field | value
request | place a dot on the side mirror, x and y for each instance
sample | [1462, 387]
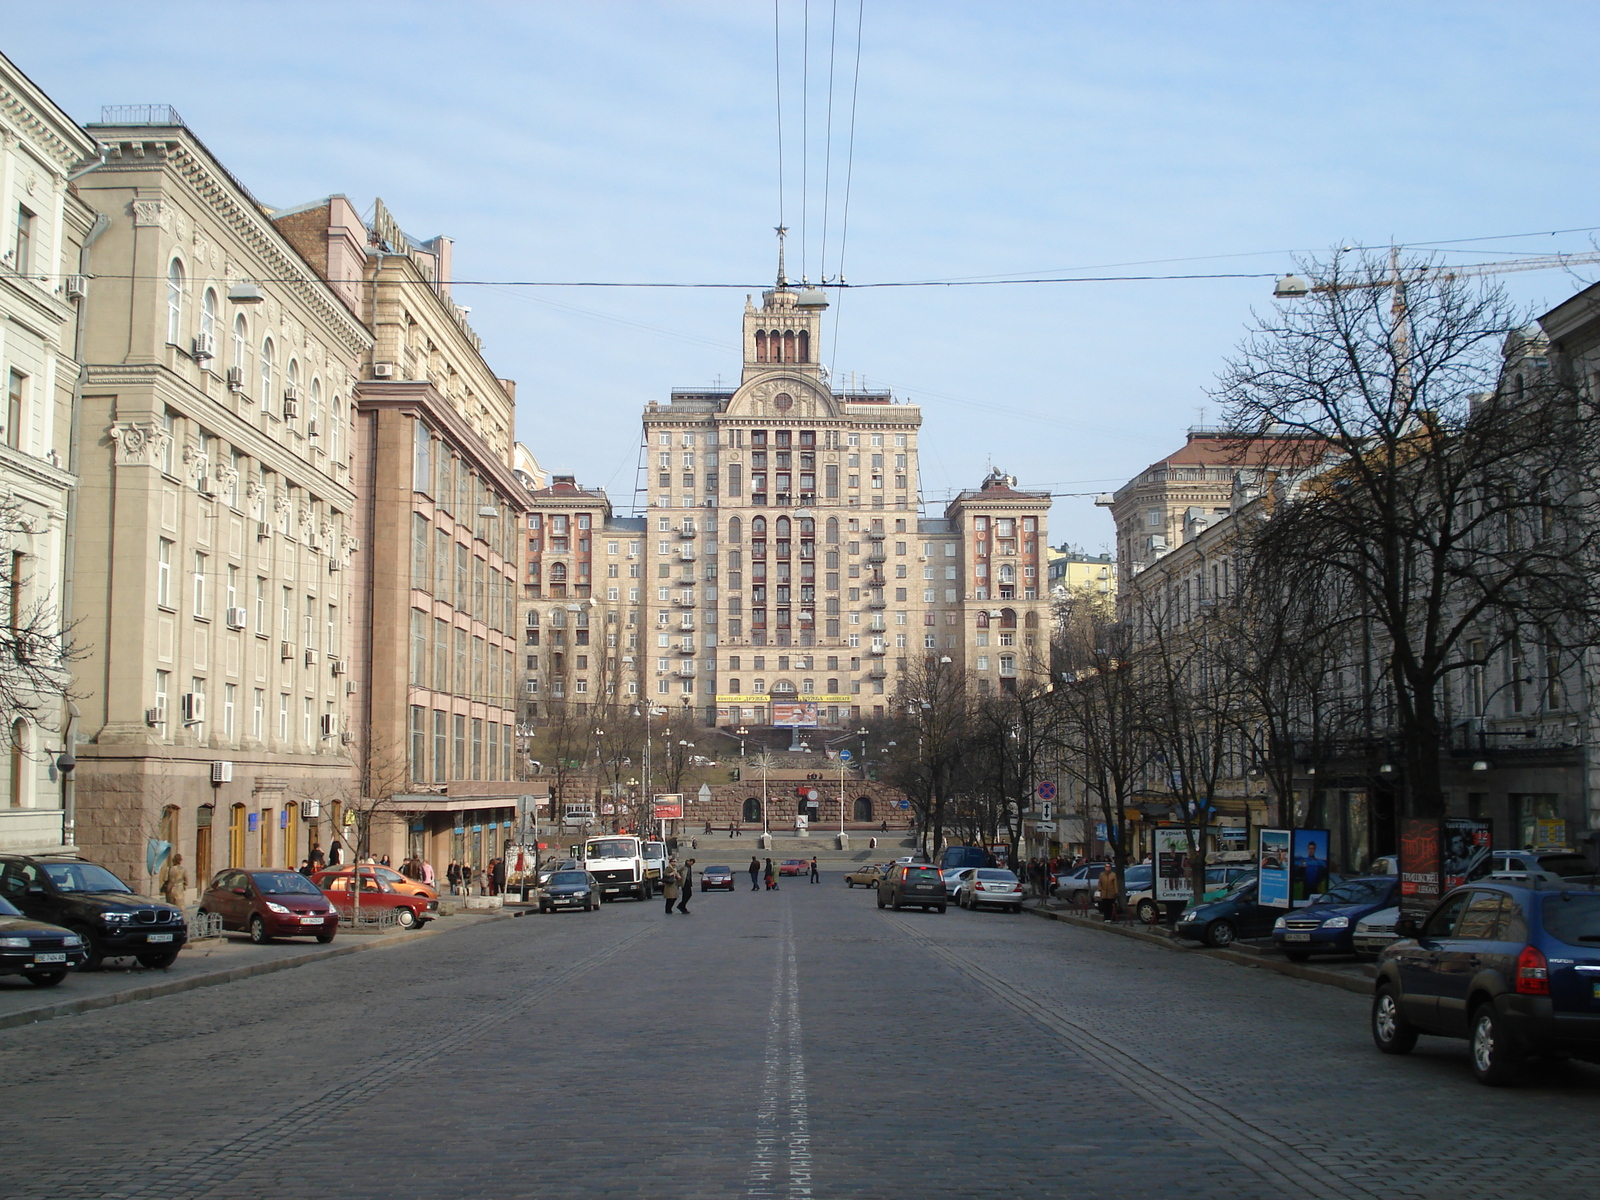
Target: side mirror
[1407, 927]
[240, 892]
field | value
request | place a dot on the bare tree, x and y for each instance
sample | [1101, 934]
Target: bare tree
[36, 650]
[380, 773]
[935, 707]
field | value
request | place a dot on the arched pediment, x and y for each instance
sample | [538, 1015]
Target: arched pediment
[781, 396]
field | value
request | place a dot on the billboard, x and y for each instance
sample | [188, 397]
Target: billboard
[1173, 859]
[669, 806]
[1465, 853]
[1419, 865]
[801, 713]
[1308, 867]
[1272, 865]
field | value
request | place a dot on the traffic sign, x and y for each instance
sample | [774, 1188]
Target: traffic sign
[844, 756]
[1046, 790]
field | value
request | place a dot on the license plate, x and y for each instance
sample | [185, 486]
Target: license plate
[49, 958]
[159, 937]
[1297, 937]
[311, 920]
[1597, 991]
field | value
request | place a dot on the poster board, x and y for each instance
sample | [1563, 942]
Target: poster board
[1464, 854]
[1419, 866]
[1309, 866]
[669, 806]
[1272, 867]
[800, 714]
[1173, 859]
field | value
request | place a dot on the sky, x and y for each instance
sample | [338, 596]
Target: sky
[636, 142]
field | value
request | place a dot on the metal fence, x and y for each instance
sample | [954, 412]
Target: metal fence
[369, 920]
[203, 925]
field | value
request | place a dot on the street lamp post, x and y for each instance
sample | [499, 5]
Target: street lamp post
[742, 733]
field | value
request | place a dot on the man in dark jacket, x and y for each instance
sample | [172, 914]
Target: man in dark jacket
[755, 873]
[685, 886]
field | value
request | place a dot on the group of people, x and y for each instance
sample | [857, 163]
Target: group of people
[464, 876]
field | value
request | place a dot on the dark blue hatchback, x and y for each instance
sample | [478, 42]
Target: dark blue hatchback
[1327, 926]
[1513, 969]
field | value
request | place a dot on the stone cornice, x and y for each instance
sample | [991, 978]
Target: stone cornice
[425, 400]
[46, 127]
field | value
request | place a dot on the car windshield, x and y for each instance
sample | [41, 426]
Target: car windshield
[1565, 865]
[718, 870]
[577, 877]
[1359, 891]
[991, 873]
[1247, 884]
[655, 849]
[1573, 918]
[7, 909]
[610, 848]
[83, 877]
[1138, 876]
[284, 883]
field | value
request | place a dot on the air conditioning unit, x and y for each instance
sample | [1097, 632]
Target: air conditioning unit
[334, 565]
[291, 404]
[235, 379]
[285, 651]
[156, 715]
[236, 618]
[347, 738]
[311, 658]
[349, 687]
[194, 708]
[77, 287]
[222, 772]
[311, 428]
[336, 666]
[205, 347]
[206, 486]
[330, 725]
[263, 530]
[383, 370]
[311, 809]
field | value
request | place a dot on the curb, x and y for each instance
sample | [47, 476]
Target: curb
[1292, 970]
[72, 1008]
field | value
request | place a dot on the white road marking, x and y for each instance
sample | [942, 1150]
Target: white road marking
[781, 1164]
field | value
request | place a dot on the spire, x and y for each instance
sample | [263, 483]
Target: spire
[783, 281]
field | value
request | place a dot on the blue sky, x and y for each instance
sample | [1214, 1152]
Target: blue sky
[604, 140]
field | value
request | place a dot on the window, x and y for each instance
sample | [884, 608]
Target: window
[16, 390]
[258, 712]
[230, 699]
[208, 318]
[164, 573]
[174, 301]
[261, 605]
[268, 366]
[22, 247]
[241, 345]
[283, 716]
[163, 684]
[199, 573]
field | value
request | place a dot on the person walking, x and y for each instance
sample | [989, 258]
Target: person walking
[772, 877]
[335, 853]
[306, 868]
[816, 876]
[755, 872]
[1109, 893]
[316, 858]
[686, 887]
[175, 881]
[669, 885]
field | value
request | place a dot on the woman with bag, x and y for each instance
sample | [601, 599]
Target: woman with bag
[669, 885]
[1110, 894]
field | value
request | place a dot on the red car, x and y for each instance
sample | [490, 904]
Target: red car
[270, 904]
[376, 893]
[794, 866]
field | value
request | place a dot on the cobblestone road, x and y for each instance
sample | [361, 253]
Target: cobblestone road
[797, 1044]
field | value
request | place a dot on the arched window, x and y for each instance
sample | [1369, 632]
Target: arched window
[241, 345]
[1008, 574]
[735, 530]
[983, 620]
[291, 377]
[558, 616]
[1008, 618]
[752, 810]
[208, 318]
[761, 346]
[15, 777]
[758, 527]
[1031, 620]
[833, 687]
[314, 409]
[783, 527]
[533, 619]
[174, 301]
[788, 345]
[268, 369]
[863, 809]
[558, 574]
[808, 527]
[803, 351]
[832, 531]
[808, 687]
[335, 427]
[782, 687]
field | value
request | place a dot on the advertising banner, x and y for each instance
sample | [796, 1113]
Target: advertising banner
[1172, 861]
[794, 713]
[1272, 864]
[1549, 834]
[1308, 874]
[1466, 851]
[1419, 865]
[669, 806]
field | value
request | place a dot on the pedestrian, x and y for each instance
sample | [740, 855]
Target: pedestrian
[694, 843]
[872, 843]
[1109, 893]
[452, 875]
[315, 858]
[669, 885]
[771, 877]
[497, 881]
[427, 871]
[175, 881]
[385, 861]
[885, 828]
[335, 853]
[816, 876]
[730, 831]
[305, 867]
[755, 871]
[686, 886]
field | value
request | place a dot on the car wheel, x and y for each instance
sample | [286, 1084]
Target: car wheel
[407, 917]
[46, 978]
[1016, 909]
[880, 899]
[1148, 912]
[1496, 1060]
[1391, 1032]
[1220, 934]
[544, 908]
[895, 904]
[1297, 956]
[940, 910]
[849, 884]
[158, 962]
[325, 937]
[258, 931]
[93, 955]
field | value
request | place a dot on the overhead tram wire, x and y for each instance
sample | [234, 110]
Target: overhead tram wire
[849, 175]
[805, 129]
[827, 152]
[777, 78]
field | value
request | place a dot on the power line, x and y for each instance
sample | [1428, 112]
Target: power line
[805, 128]
[777, 79]
[827, 147]
[849, 175]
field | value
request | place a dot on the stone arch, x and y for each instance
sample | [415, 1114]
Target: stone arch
[862, 810]
[752, 810]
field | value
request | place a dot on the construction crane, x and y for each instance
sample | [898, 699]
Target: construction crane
[1292, 287]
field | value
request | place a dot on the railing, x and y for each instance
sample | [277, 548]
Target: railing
[368, 920]
[139, 114]
[203, 925]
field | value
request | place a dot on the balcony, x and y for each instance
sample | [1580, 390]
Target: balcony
[876, 651]
[682, 649]
[876, 600]
[685, 600]
[686, 554]
[685, 670]
[877, 554]
[877, 671]
[686, 534]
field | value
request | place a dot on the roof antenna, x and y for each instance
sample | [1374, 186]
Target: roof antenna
[783, 281]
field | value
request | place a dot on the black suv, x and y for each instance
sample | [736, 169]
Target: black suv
[913, 885]
[1513, 968]
[92, 902]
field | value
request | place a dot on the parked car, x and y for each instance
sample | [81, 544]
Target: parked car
[793, 866]
[106, 914]
[1519, 865]
[716, 878]
[1375, 932]
[270, 904]
[992, 886]
[550, 866]
[916, 885]
[1328, 926]
[1223, 922]
[1142, 900]
[1513, 968]
[402, 883]
[570, 889]
[410, 911]
[865, 876]
[1080, 880]
[38, 951]
[953, 877]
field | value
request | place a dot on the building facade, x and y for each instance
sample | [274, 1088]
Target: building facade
[216, 522]
[45, 227]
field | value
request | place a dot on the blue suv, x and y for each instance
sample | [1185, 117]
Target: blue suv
[1514, 969]
[1327, 926]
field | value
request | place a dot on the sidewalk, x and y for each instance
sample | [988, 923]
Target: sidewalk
[201, 964]
[1344, 973]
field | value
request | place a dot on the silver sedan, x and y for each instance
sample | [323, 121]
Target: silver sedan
[991, 886]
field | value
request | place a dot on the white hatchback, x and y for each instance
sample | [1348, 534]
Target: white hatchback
[992, 886]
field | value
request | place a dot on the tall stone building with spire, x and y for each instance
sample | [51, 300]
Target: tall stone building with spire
[785, 574]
